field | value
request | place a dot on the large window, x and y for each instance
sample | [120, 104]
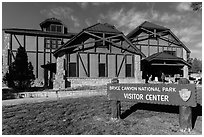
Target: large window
[128, 70]
[54, 28]
[102, 69]
[52, 43]
[72, 69]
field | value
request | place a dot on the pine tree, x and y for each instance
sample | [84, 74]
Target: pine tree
[20, 73]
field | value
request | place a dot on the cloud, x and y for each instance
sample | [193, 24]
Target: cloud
[99, 3]
[88, 22]
[127, 19]
[83, 5]
[184, 6]
[75, 20]
[58, 12]
[198, 45]
[61, 13]
[195, 51]
[188, 34]
[166, 17]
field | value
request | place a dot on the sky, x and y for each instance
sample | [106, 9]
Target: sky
[185, 23]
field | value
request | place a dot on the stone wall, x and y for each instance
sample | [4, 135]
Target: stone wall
[137, 68]
[76, 82]
[59, 81]
[5, 53]
[185, 68]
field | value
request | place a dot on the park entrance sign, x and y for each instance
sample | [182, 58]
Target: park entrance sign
[167, 94]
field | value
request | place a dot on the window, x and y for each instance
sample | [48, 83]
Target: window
[128, 70]
[59, 28]
[52, 43]
[72, 69]
[171, 52]
[53, 28]
[102, 67]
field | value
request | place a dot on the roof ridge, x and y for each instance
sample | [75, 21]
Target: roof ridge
[91, 26]
[153, 24]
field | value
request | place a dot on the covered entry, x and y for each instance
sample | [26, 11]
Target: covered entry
[163, 62]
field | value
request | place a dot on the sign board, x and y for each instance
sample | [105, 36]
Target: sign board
[167, 94]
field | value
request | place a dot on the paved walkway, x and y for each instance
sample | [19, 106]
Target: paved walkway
[61, 95]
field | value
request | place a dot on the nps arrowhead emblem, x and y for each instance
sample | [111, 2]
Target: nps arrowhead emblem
[185, 94]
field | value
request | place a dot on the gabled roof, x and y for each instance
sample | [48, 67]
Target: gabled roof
[165, 56]
[95, 32]
[103, 28]
[148, 27]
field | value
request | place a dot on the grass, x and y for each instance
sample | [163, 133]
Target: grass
[89, 116]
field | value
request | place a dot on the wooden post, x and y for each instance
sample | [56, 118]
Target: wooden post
[115, 104]
[185, 113]
[36, 56]
[116, 65]
[149, 46]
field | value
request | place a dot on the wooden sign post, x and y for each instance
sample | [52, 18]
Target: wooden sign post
[185, 113]
[115, 104]
[182, 95]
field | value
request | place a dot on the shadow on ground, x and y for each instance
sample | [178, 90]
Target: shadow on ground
[196, 111]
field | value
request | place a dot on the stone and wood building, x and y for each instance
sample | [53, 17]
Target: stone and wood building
[39, 44]
[98, 53]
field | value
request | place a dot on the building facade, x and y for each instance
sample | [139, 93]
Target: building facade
[39, 45]
[98, 53]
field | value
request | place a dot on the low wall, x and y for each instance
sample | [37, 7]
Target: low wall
[77, 82]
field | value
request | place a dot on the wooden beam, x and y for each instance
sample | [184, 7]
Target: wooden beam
[106, 65]
[37, 57]
[181, 53]
[111, 37]
[66, 65]
[161, 37]
[9, 50]
[141, 39]
[103, 39]
[83, 65]
[24, 41]
[77, 63]
[158, 64]
[125, 65]
[50, 50]
[152, 45]
[17, 40]
[44, 51]
[133, 64]
[75, 46]
[68, 61]
[158, 45]
[88, 64]
[116, 65]
[148, 47]
[99, 60]
[29, 51]
[121, 65]
[136, 49]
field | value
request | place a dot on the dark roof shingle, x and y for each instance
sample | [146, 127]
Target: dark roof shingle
[99, 27]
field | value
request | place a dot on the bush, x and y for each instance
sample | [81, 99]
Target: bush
[20, 73]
